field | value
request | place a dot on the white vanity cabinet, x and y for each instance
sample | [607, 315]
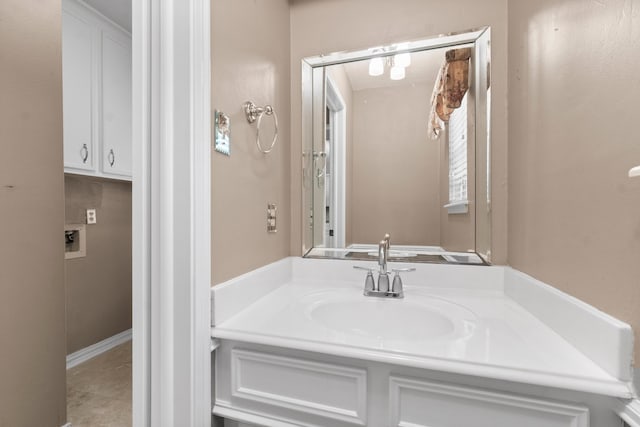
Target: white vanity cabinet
[270, 386]
[298, 344]
[96, 75]
[419, 402]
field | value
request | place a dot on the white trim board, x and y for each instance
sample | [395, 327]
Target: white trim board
[337, 106]
[171, 215]
[84, 354]
[142, 68]
[629, 411]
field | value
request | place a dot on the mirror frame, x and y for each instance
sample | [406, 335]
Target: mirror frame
[314, 83]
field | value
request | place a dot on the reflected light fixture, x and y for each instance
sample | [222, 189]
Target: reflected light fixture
[396, 72]
[397, 63]
[376, 66]
[402, 59]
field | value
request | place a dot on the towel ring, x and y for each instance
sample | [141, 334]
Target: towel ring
[254, 113]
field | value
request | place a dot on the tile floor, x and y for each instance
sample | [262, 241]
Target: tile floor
[99, 390]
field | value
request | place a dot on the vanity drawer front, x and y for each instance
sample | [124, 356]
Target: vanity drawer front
[328, 390]
[416, 403]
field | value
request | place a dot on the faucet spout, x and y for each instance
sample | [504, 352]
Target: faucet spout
[383, 253]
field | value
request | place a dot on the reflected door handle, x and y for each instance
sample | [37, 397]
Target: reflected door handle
[84, 153]
[321, 155]
[320, 170]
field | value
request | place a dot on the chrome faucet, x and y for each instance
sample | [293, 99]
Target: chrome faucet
[383, 256]
[382, 288]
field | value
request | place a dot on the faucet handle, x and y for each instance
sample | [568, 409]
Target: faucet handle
[369, 282]
[396, 286]
[403, 270]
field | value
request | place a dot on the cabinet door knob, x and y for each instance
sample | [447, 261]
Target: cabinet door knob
[84, 153]
[111, 157]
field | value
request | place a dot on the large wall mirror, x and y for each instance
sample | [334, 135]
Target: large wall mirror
[396, 139]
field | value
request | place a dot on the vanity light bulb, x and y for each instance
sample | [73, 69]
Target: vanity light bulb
[376, 66]
[402, 59]
[396, 73]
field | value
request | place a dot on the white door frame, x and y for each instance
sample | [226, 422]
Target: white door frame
[337, 106]
[171, 213]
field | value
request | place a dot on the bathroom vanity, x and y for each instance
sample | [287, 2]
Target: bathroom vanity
[299, 344]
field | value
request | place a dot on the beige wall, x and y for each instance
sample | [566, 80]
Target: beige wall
[574, 216]
[323, 26]
[98, 286]
[395, 167]
[250, 60]
[32, 344]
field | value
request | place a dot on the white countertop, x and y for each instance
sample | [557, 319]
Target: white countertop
[495, 337]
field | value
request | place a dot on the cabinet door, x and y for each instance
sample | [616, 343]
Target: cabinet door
[418, 403]
[78, 81]
[116, 104]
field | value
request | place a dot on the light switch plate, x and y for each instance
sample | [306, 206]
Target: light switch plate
[272, 211]
[91, 216]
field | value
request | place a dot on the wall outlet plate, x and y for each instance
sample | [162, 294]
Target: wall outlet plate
[91, 216]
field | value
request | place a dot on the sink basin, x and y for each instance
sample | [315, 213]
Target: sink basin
[422, 319]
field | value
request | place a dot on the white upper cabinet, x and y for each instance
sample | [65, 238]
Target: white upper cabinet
[116, 104]
[78, 88]
[96, 61]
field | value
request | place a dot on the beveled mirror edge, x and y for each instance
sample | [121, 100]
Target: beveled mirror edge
[429, 42]
[483, 234]
[309, 64]
[306, 124]
[403, 255]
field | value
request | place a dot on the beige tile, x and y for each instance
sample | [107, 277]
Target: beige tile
[99, 390]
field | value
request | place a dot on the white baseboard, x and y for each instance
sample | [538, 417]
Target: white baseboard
[92, 351]
[67, 425]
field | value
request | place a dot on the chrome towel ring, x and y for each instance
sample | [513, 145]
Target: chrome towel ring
[254, 113]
